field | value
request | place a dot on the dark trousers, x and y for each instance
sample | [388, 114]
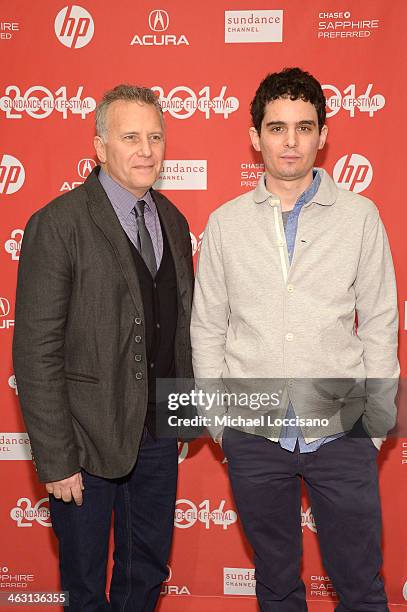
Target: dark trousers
[143, 503]
[341, 479]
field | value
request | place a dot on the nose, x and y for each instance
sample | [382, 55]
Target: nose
[144, 147]
[291, 138]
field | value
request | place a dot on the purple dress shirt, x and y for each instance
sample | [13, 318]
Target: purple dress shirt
[123, 203]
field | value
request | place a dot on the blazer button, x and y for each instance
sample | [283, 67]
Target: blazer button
[139, 375]
[137, 321]
[137, 339]
[138, 357]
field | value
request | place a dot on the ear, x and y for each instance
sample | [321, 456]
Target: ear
[322, 137]
[255, 138]
[100, 149]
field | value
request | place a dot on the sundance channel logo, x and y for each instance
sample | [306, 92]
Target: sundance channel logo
[253, 26]
[15, 447]
[180, 174]
[239, 581]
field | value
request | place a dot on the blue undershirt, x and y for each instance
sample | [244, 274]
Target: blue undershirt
[291, 434]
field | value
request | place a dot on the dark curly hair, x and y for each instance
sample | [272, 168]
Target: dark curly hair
[292, 83]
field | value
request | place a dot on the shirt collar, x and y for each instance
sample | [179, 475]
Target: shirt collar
[122, 200]
[309, 193]
[261, 194]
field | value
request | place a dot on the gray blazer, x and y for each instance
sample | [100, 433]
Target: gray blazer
[78, 310]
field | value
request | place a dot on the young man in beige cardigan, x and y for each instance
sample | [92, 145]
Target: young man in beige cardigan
[295, 293]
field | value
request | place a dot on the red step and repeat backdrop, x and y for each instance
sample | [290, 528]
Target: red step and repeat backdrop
[205, 60]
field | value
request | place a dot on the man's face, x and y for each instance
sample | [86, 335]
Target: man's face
[132, 152]
[289, 139]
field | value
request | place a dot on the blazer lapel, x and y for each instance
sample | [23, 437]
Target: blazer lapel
[167, 219]
[103, 215]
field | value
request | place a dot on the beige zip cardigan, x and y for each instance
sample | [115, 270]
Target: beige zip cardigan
[255, 316]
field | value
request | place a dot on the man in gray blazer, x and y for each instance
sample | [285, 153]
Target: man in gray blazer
[103, 309]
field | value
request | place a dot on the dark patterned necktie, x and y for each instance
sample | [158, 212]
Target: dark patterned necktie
[145, 244]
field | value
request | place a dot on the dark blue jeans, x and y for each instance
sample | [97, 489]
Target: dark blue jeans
[341, 479]
[143, 504]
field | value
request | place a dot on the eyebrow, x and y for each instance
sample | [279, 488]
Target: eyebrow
[302, 122]
[159, 131]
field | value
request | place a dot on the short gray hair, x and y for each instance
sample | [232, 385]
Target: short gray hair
[128, 93]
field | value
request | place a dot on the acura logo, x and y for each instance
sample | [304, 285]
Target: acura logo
[158, 20]
[4, 307]
[85, 167]
[169, 574]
